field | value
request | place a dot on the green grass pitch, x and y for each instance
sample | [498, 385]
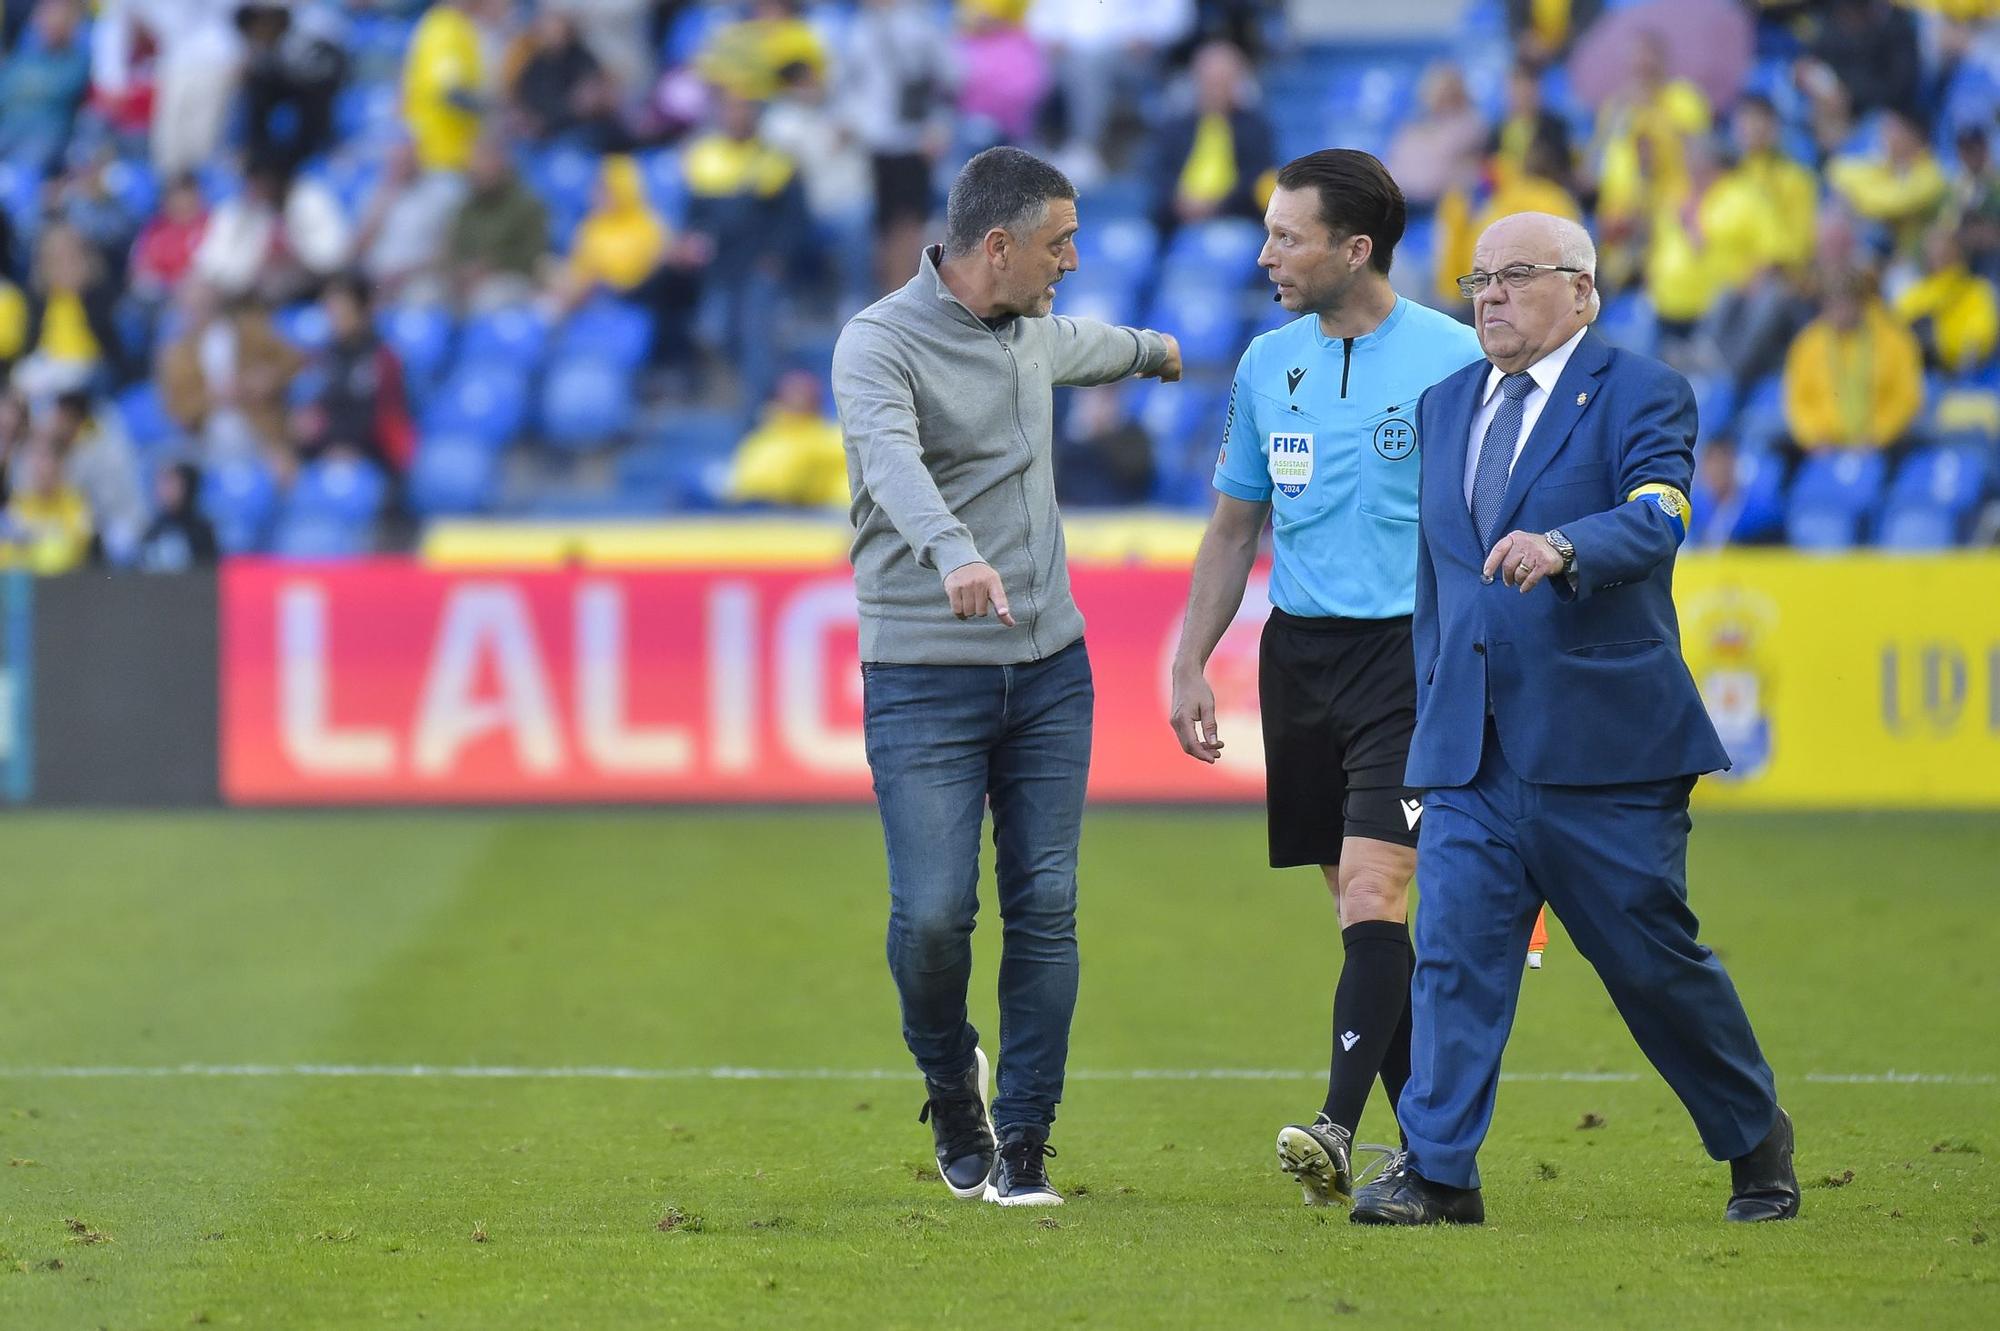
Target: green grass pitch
[698, 940]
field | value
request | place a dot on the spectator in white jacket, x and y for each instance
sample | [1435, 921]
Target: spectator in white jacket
[195, 72]
[278, 238]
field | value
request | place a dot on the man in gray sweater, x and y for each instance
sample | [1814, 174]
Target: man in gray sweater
[943, 389]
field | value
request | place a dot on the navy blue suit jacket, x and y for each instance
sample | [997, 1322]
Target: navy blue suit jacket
[1587, 684]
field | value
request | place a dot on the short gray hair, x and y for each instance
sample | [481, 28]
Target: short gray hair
[1001, 187]
[1575, 249]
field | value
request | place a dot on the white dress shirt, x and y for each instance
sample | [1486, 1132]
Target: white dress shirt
[1544, 372]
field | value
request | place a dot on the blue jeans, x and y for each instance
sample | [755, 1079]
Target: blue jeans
[943, 743]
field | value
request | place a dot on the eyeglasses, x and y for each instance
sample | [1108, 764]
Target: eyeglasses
[1514, 275]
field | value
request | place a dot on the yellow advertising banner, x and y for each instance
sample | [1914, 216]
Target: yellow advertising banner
[1856, 681]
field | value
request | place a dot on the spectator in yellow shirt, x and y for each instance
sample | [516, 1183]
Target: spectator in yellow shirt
[1953, 311]
[1526, 120]
[746, 58]
[1788, 190]
[1757, 313]
[795, 456]
[1854, 377]
[1637, 148]
[625, 248]
[1540, 186]
[47, 524]
[444, 84]
[1902, 189]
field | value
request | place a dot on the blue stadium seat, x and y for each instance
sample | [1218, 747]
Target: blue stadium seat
[701, 433]
[488, 402]
[306, 326]
[813, 353]
[657, 474]
[1714, 403]
[1222, 252]
[308, 536]
[1760, 417]
[1121, 249]
[364, 112]
[145, 415]
[1833, 497]
[453, 474]
[566, 179]
[517, 337]
[1115, 197]
[352, 175]
[420, 335]
[240, 498]
[666, 187]
[1208, 324]
[219, 181]
[690, 32]
[1933, 497]
[1628, 322]
[586, 403]
[346, 490]
[611, 330]
[685, 464]
[132, 183]
[1103, 298]
[20, 195]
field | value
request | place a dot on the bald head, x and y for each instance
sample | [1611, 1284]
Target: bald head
[1552, 291]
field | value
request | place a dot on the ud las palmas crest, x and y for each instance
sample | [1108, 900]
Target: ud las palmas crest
[1291, 463]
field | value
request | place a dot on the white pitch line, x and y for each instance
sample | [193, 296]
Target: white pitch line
[440, 1072]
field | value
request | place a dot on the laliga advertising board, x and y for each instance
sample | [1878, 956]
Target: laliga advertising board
[385, 682]
[1835, 683]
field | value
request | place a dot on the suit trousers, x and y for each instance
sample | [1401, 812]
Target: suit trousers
[1611, 861]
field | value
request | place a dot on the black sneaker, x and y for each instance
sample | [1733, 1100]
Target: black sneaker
[1019, 1176]
[962, 1131]
[1402, 1196]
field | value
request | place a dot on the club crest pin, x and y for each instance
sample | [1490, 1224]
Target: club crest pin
[1582, 398]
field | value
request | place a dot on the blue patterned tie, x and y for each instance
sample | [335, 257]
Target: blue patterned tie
[1496, 455]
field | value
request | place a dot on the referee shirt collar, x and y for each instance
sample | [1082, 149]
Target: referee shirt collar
[1544, 372]
[1369, 338]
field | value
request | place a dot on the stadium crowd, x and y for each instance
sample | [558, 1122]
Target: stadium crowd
[296, 277]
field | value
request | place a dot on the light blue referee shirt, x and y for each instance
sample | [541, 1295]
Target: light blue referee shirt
[1324, 428]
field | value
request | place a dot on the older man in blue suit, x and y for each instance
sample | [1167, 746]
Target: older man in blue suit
[1559, 733]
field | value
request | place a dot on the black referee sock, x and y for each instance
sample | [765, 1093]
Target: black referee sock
[1370, 1004]
[1396, 1058]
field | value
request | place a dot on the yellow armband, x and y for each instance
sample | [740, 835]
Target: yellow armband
[1672, 503]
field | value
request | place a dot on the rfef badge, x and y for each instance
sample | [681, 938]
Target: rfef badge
[1291, 463]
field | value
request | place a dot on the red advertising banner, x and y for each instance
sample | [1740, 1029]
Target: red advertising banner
[385, 682]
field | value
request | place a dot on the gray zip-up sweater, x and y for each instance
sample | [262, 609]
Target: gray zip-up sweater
[947, 423]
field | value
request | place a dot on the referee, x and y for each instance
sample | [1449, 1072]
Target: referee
[1321, 441]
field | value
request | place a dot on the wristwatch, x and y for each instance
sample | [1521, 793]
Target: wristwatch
[1555, 537]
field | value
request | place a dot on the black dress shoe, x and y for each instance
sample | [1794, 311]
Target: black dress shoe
[1762, 1185]
[1401, 1196]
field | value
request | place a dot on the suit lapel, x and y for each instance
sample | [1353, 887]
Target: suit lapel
[1574, 390]
[1461, 404]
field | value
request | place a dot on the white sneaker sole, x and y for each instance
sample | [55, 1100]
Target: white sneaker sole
[1025, 1199]
[981, 1190]
[1301, 1156]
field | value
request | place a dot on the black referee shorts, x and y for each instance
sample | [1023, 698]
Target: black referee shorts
[1339, 701]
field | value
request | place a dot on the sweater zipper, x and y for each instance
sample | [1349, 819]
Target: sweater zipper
[1027, 510]
[1346, 362]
